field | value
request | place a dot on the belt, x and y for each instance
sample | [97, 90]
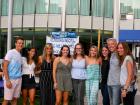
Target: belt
[29, 75]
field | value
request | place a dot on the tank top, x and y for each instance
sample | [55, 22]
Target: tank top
[78, 69]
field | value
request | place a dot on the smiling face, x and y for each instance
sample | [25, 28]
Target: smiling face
[120, 50]
[93, 52]
[19, 44]
[49, 49]
[65, 51]
[78, 49]
[112, 44]
[105, 52]
[31, 53]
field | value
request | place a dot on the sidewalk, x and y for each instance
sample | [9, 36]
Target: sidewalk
[137, 97]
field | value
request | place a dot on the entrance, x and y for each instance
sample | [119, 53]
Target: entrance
[3, 45]
[37, 38]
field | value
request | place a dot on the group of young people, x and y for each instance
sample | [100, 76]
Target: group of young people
[79, 74]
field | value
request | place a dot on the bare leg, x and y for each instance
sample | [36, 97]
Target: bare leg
[5, 102]
[32, 96]
[58, 97]
[14, 101]
[65, 98]
[25, 96]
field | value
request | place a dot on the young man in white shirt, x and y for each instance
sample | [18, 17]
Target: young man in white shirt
[12, 73]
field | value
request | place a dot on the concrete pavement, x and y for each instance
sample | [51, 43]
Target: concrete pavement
[137, 97]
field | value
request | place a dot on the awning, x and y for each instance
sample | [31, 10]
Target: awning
[129, 35]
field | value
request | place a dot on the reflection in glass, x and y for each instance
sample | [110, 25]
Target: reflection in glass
[126, 6]
[42, 6]
[55, 6]
[4, 7]
[108, 8]
[85, 7]
[29, 6]
[130, 7]
[17, 7]
[72, 7]
[136, 7]
[98, 7]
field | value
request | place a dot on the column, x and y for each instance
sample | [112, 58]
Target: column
[9, 34]
[116, 16]
[63, 11]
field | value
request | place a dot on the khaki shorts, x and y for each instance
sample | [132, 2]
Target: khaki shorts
[13, 92]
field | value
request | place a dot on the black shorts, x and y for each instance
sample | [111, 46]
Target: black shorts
[28, 82]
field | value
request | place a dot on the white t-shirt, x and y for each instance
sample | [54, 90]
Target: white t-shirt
[15, 62]
[124, 73]
[27, 68]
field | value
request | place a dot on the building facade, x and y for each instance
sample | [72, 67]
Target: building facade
[35, 19]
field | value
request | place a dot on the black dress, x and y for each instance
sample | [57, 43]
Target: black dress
[104, 71]
[47, 94]
[104, 87]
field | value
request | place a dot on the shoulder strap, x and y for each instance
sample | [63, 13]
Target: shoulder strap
[59, 59]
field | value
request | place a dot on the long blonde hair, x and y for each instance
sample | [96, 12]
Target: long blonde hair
[97, 55]
[45, 53]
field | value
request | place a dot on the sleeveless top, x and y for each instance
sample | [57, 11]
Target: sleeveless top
[46, 73]
[46, 66]
[63, 76]
[92, 72]
[27, 68]
[104, 71]
[78, 69]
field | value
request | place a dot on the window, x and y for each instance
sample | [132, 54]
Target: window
[98, 7]
[42, 6]
[126, 6]
[29, 6]
[130, 7]
[136, 7]
[85, 7]
[72, 7]
[17, 7]
[108, 8]
[4, 4]
[55, 6]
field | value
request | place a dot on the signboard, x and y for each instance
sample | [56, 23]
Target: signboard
[63, 34]
[129, 36]
[58, 40]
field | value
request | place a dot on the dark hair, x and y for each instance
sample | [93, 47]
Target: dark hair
[19, 38]
[26, 55]
[126, 52]
[60, 54]
[109, 54]
[75, 54]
